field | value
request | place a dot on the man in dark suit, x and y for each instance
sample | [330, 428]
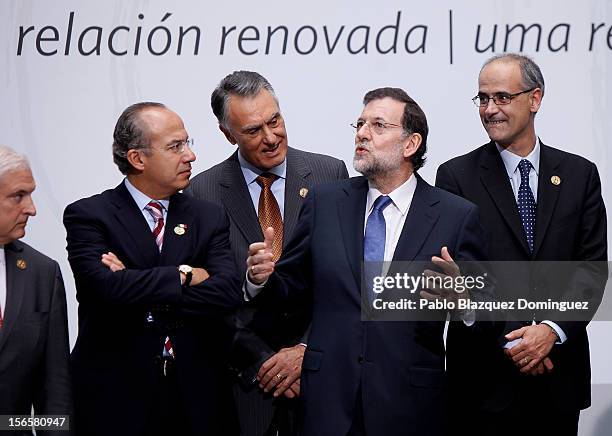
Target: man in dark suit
[266, 337]
[33, 324]
[536, 204]
[154, 277]
[368, 377]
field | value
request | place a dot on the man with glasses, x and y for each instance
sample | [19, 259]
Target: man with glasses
[536, 204]
[264, 181]
[367, 377]
[154, 276]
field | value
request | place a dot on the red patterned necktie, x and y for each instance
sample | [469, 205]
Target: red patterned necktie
[269, 212]
[156, 211]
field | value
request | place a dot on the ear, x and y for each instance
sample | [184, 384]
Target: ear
[412, 144]
[228, 135]
[135, 158]
[535, 100]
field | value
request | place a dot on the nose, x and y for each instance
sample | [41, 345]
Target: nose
[269, 136]
[30, 208]
[188, 154]
[490, 108]
[363, 132]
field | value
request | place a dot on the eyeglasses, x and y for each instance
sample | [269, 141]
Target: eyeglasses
[377, 127]
[501, 98]
[179, 146]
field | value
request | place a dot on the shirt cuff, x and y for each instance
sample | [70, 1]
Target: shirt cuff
[250, 290]
[558, 330]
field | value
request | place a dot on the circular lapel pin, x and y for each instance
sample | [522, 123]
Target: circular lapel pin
[180, 229]
[21, 264]
[303, 192]
[555, 180]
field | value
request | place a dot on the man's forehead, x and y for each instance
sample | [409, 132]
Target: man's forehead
[246, 110]
[502, 74]
[384, 108]
[17, 180]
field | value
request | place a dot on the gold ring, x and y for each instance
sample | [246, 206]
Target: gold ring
[279, 376]
[253, 269]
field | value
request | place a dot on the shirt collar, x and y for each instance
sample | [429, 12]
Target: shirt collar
[251, 172]
[401, 197]
[511, 160]
[141, 199]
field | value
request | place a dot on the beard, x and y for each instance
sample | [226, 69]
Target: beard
[376, 163]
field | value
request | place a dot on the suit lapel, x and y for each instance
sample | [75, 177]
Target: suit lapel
[351, 212]
[421, 218]
[15, 287]
[180, 215]
[134, 226]
[548, 193]
[237, 200]
[297, 178]
[494, 177]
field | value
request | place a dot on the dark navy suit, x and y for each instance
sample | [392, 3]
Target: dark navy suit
[114, 364]
[394, 369]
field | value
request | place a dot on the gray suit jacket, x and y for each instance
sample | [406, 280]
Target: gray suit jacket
[260, 331]
[34, 346]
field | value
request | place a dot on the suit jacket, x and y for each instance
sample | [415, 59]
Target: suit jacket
[396, 367]
[570, 226]
[115, 359]
[34, 340]
[262, 329]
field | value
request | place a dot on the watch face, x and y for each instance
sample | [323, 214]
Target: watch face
[185, 269]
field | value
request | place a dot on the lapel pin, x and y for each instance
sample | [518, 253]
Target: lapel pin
[303, 192]
[180, 229]
[555, 180]
[21, 264]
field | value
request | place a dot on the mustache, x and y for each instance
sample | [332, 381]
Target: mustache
[363, 144]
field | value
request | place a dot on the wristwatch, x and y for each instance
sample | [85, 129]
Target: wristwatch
[188, 271]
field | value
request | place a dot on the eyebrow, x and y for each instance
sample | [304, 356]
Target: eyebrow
[254, 127]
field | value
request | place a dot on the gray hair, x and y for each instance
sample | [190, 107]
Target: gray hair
[530, 72]
[10, 160]
[129, 134]
[240, 83]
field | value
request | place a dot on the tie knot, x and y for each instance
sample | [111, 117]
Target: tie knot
[381, 202]
[155, 209]
[265, 180]
[524, 167]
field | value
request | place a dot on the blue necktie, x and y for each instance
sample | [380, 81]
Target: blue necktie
[526, 203]
[374, 243]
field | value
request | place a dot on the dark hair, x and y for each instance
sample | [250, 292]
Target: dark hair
[129, 134]
[530, 72]
[413, 118]
[241, 83]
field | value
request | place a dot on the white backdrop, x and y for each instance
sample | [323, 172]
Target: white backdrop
[61, 91]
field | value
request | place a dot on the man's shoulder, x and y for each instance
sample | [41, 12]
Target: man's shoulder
[574, 161]
[92, 202]
[33, 255]
[313, 157]
[468, 159]
[446, 199]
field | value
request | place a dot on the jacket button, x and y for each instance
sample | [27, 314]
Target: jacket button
[360, 359]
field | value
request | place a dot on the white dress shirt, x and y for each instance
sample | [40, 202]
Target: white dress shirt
[143, 200]
[511, 162]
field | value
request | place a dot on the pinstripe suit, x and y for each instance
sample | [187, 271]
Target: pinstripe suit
[260, 331]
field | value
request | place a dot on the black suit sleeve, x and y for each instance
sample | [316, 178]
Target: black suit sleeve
[54, 396]
[88, 239]
[222, 289]
[590, 272]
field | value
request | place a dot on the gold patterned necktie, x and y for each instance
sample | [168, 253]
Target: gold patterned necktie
[269, 212]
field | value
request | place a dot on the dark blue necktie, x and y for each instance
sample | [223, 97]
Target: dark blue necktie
[374, 243]
[526, 203]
